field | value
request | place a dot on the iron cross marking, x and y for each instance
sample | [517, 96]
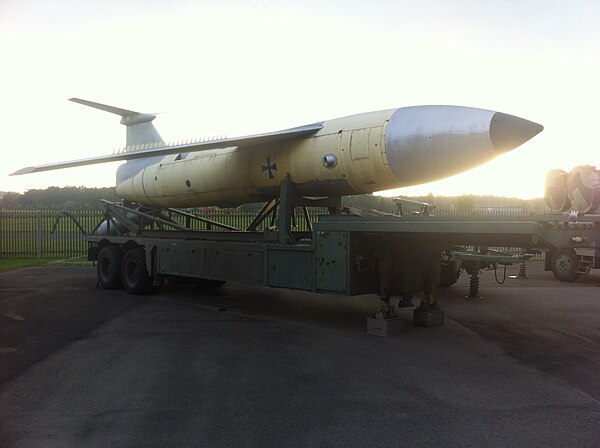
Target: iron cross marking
[269, 167]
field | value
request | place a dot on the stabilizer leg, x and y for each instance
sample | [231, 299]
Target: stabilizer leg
[429, 313]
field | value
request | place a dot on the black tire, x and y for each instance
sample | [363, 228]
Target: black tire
[564, 265]
[134, 272]
[108, 267]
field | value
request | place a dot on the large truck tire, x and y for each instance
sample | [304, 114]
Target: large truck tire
[108, 267]
[564, 265]
[134, 272]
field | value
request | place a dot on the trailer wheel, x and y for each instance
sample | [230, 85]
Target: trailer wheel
[108, 267]
[564, 265]
[134, 272]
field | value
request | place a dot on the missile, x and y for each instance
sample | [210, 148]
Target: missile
[357, 154]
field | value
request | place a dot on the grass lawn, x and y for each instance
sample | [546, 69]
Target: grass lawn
[7, 264]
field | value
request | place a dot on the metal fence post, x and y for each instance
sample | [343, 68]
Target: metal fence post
[2, 218]
[39, 234]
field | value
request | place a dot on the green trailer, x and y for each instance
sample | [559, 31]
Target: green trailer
[392, 256]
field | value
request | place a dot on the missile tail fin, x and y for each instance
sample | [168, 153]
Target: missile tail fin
[140, 133]
[140, 130]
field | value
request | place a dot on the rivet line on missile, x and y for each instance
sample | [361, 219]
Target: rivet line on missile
[173, 144]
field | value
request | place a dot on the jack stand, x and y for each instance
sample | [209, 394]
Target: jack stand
[474, 287]
[428, 314]
[522, 275]
[385, 322]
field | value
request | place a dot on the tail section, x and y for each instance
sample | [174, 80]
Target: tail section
[146, 147]
[140, 129]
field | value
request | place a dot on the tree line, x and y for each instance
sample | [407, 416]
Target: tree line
[58, 198]
[83, 198]
[459, 204]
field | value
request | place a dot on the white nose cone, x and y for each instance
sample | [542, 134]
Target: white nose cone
[427, 143]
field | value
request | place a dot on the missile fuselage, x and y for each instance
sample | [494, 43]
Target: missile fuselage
[358, 154]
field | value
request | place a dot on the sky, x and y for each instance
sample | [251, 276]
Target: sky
[243, 67]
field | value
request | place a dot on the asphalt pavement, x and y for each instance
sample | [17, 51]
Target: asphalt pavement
[246, 366]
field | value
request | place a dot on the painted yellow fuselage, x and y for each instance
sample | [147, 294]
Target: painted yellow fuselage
[352, 155]
[232, 176]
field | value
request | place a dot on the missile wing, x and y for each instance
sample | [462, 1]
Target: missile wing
[146, 150]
